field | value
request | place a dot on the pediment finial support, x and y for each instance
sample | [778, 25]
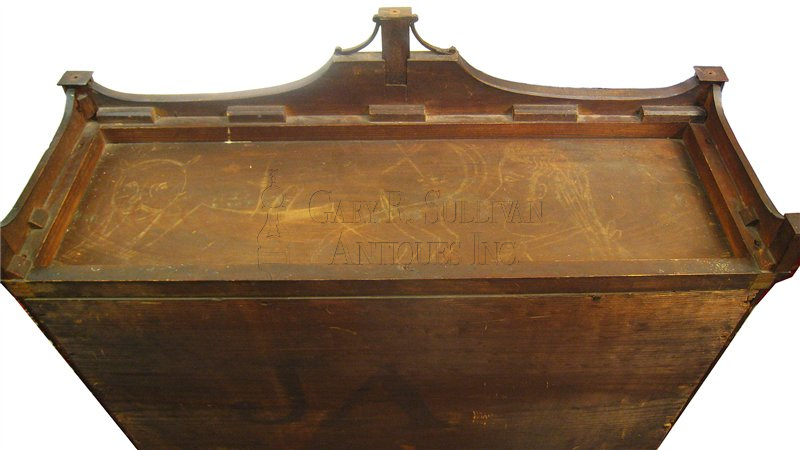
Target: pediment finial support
[394, 24]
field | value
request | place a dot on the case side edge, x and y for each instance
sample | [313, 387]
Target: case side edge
[27, 213]
[757, 210]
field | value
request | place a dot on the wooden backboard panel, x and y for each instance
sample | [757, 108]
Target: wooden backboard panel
[410, 204]
[611, 371]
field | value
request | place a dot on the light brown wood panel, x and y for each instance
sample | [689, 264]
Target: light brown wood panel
[410, 204]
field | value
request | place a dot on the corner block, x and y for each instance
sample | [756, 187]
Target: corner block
[714, 74]
[75, 78]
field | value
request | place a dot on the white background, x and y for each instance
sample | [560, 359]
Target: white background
[751, 398]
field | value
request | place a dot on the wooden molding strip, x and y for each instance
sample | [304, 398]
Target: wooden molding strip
[126, 114]
[545, 113]
[257, 113]
[660, 113]
[397, 113]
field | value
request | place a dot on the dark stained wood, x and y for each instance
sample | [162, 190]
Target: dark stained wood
[395, 23]
[672, 113]
[545, 113]
[267, 113]
[710, 73]
[397, 113]
[790, 238]
[15, 229]
[398, 251]
[122, 114]
[610, 371]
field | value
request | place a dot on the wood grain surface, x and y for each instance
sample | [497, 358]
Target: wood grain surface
[549, 371]
[408, 204]
[398, 251]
